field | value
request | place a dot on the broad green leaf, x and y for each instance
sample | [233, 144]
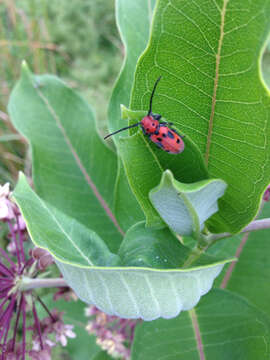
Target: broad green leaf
[223, 326]
[137, 292]
[134, 35]
[64, 237]
[250, 275]
[159, 249]
[84, 260]
[208, 54]
[72, 168]
[126, 207]
[186, 207]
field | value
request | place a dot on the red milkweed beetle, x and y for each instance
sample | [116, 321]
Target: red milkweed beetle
[160, 133]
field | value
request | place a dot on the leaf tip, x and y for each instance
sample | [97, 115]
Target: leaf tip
[167, 177]
[20, 183]
[25, 71]
[168, 173]
[124, 112]
[21, 175]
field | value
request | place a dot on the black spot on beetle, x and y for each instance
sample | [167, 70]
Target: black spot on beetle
[178, 141]
[170, 134]
[164, 135]
[159, 139]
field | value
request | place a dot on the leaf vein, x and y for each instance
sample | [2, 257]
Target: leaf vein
[78, 161]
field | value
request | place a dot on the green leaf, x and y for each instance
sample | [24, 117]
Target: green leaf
[66, 150]
[84, 260]
[159, 249]
[64, 237]
[250, 275]
[126, 207]
[186, 207]
[136, 292]
[134, 35]
[223, 326]
[144, 169]
[208, 55]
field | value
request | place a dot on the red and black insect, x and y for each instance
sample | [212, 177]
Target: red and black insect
[159, 132]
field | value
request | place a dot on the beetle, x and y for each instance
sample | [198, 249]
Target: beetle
[159, 132]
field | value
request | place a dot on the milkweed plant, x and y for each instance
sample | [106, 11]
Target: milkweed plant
[157, 254]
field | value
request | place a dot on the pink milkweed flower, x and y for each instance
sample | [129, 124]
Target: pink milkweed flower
[17, 269]
[114, 335]
[7, 207]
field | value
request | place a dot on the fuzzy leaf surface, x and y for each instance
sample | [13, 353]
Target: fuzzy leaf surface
[137, 292]
[186, 207]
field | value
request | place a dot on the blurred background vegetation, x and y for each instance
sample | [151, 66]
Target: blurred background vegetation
[76, 40]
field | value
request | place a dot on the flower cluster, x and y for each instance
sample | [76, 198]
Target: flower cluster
[114, 335]
[17, 299]
[42, 342]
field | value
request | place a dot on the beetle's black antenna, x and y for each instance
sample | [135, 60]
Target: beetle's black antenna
[124, 128]
[152, 95]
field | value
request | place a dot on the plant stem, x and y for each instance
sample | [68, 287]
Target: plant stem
[193, 256]
[253, 226]
[46, 308]
[28, 283]
[206, 241]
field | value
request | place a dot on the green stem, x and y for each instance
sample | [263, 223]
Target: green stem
[253, 226]
[205, 241]
[194, 255]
